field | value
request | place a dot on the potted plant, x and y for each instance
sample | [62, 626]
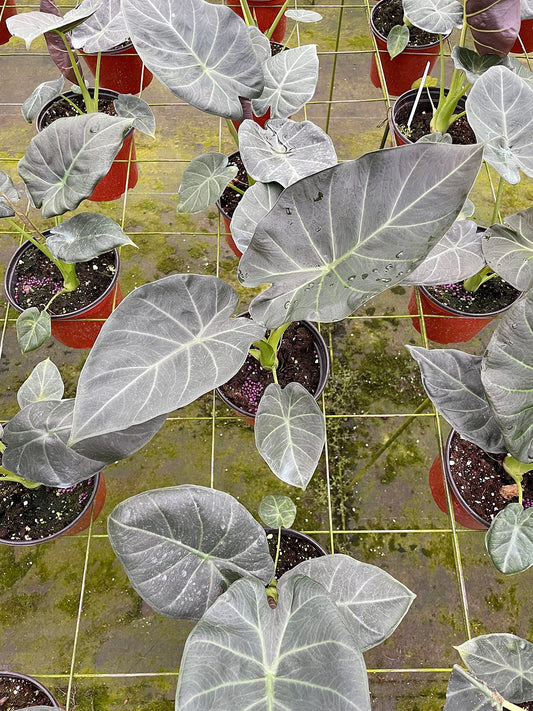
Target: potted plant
[19, 691]
[497, 675]
[49, 489]
[486, 401]
[106, 48]
[404, 49]
[100, 122]
[60, 277]
[173, 340]
[196, 553]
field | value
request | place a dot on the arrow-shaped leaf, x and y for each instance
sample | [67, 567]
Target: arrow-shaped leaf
[43, 383]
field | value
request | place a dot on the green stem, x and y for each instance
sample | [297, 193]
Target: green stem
[234, 187]
[496, 212]
[74, 106]
[97, 79]
[246, 13]
[271, 29]
[385, 135]
[233, 131]
[90, 104]
[387, 444]
[510, 706]
[278, 548]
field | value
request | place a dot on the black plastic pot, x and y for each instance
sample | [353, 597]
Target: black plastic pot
[123, 174]
[323, 360]
[425, 104]
[303, 545]
[25, 681]
[92, 508]
[73, 329]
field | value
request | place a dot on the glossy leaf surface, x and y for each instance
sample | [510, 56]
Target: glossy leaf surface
[30, 25]
[43, 383]
[277, 511]
[397, 40]
[182, 546]
[204, 181]
[509, 541]
[34, 327]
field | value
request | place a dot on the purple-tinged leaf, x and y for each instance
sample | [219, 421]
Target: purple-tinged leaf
[56, 46]
[494, 25]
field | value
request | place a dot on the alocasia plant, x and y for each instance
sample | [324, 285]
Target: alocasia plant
[196, 553]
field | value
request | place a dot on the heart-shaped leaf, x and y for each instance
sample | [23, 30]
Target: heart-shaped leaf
[182, 546]
[201, 52]
[291, 657]
[452, 379]
[494, 24]
[290, 432]
[84, 237]
[303, 15]
[261, 44]
[508, 249]
[290, 82]
[43, 383]
[359, 590]
[256, 202]
[138, 111]
[500, 111]
[504, 661]
[104, 30]
[437, 16]
[40, 96]
[507, 376]
[328, 245]
[284, 151]
[474, 64]
[30, 25]
[204, 180]
[66, 160]
[397, 40]
[36, 448]
[166, 344]
[456, 257]
[509, 539]
[34, 327]
[466, 692]
[277, 511]
[8, 189]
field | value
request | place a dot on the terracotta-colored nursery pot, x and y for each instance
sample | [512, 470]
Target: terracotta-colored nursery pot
[264, 12]
[8, 8]
[123, 174]
[456, 327]
[72, 329]
[226, 219]
[323, 359]
[31, 681]
[408, 66]
[428, 98]
[462, 512]
[92, 509]
[526, 35]
[121, 70]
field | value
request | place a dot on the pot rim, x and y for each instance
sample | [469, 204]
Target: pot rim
[121, 49]
[10, 272]
[324, 365]
[465, 314]
[453, 484]
[431, 92]
[32, 680]
[413, 49]
[98, 480]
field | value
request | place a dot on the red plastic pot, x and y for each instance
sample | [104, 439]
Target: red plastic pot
[264, 12]
[123, 174]
[28, 680]
[462, 512]
[323, 359]
[226, 219]
[526, 35]
[8, 8]
[121, 70]
[400, 73]
[91, 510]
[72, 329]
[451, 325]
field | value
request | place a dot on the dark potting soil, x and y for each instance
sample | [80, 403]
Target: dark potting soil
[459, 130]
[480, 477]
[389, 13]
[62, 108]
[299, 363]
[37, 279]
[18, 693]
[293, 550]
[33, 514]
[230, 198]
[493, 295]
